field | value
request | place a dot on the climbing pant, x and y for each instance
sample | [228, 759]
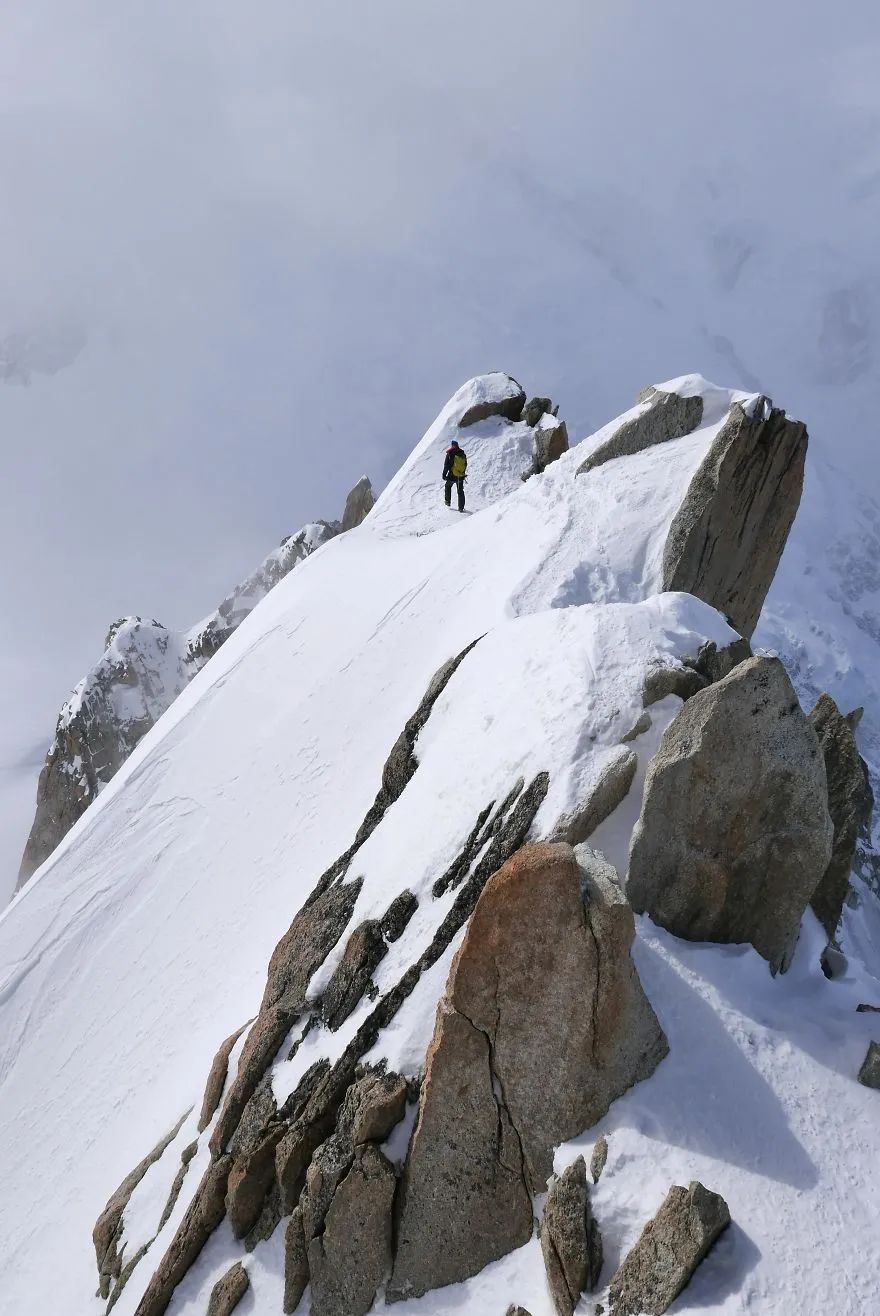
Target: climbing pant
[459, 482]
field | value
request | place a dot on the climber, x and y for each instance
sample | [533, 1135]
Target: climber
[455, 473]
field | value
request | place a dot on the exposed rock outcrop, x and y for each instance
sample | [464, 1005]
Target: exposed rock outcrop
[228, 1292]
[488, 1120]
[663, 416]
[349, 1245]
[296, 1262]
[570, 1239]
[610, 789]
[464, 1197]
[726, 540]
[551, 441]
[217, 1078]
[340, 1232]
[358, 504]
[663, 679]
[849, 803]
[203, 641]
[107, 1233]
[202, 1217]
[599, 1158]
[734, 834]
[262, 1152]
[869, 1074]
[668, 1252]
[142, 671]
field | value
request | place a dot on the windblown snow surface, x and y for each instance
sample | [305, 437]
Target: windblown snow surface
[144, 940]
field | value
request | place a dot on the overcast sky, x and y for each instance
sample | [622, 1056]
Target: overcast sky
[247, 251]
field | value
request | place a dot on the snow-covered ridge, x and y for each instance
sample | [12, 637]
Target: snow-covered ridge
[167, 898]
[143, 669]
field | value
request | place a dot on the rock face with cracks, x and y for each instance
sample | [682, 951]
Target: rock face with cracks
[727, 537]
[668, 1252]
[561, 999]
[570, 1239]
[734, 834]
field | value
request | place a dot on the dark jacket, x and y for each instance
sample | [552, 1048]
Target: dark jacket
[447, 465]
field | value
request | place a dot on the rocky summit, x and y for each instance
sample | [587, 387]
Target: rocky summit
[463, 940]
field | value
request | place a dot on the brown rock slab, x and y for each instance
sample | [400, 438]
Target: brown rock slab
[734, 834]
[571, 977]
[463, 1201]
[668, 1252]
[228, 1292]
[561, 999]
[570, 1239]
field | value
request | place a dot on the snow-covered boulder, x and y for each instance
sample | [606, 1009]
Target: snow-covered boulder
[734, 834]
[495, 394]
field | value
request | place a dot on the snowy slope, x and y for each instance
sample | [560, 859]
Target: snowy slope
[144, 940]
[143, 669]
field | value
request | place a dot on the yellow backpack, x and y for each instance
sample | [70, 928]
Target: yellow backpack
[459, 465]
